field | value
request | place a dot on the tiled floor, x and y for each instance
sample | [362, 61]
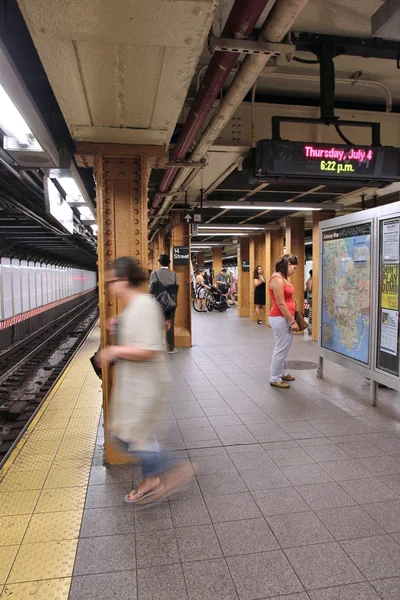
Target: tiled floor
[297, 494]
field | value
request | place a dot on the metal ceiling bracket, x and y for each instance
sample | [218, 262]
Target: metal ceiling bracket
[216, 44]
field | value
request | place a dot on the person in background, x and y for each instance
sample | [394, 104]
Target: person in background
[233, 288]
[141, 380]
[221, 283]
[166, 279]
[259, 292]
[309, 288]
[201, 291]
[282, 318]
[206, 277]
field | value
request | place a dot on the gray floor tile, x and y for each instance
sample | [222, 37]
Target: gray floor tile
[298, 529]
[366, 491]
[392, 481]
[265, 433]
[331, 427]
[349, 522]
[107, 521]
[197, 543]
[199, 435]
[387, 514]
[161, 583]
[327, 453]
[340, 470]
[360, 449]
[388, 589]
[191, 490]
[104, 586]
[193, 423]
[222, 483]
[263, 575]
[224, 420]
[189, 512]
[187, 410]
[153, 518]
[245, 537]
[234, 434]
[105, 554]
[306, 474]
[156, 548]
[290, 456]
[212, 451]
[323, 565]
[111, 494]
[220, 410]
[354, 591]
[232, 507]
[280, 501]
[381, 465]
[264, 479]
[376, 557]
[325, 495]
[301, 596]
[101, 475]
[206, 465]
[249, 461]
[209, 580]
[243, 449]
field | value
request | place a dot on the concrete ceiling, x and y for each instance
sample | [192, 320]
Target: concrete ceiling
[120, 69]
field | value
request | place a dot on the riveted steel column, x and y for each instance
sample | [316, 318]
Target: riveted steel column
[121, 174]
[274, 242]
[243, 278]
[183, 315]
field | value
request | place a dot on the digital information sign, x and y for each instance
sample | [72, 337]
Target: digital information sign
[317, 161]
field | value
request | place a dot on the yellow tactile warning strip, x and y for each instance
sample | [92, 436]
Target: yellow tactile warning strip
[43, 487]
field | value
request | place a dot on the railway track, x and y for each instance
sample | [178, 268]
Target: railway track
[29, 369]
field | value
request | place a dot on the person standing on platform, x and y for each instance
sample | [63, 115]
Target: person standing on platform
[233, 288]
[222, 284]
[165, 279]
[201, 291]
[282, 318]
[259, 293]
[141, 380]
[309, 287]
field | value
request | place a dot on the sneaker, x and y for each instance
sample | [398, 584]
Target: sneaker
[288, 378]
[173, 351]
[279, 384]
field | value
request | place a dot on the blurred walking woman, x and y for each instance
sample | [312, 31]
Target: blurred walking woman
[281, 318]
[141, 375]
[259, 292]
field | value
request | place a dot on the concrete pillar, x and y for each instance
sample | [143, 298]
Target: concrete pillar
[295, 245]
[183, 316]
[317, 218]
[274, 242]
[243, 278]
[121, 173]
[216, 261]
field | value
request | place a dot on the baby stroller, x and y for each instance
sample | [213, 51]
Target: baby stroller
[215, 298]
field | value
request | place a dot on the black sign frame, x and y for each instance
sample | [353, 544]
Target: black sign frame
[181, 255]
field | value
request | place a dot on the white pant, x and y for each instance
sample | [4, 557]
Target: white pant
[283, 340]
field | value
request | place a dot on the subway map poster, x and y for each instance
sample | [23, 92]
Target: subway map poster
[346, 291]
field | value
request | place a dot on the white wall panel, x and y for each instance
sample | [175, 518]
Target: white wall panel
[39, 284]
[45, 294]
[16, 286]
[7, 299]
[32, 285]
[25, 285]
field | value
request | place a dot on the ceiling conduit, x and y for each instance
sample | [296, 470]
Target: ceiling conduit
[278, 23]
[241, 22]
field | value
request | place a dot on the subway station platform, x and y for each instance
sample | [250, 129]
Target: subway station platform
[296, 493]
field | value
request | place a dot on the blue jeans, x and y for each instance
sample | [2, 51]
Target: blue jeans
[150, 459]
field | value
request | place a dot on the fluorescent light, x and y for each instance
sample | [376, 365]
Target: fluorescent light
[235, 227]
[227, 257]
[292, 206]
[225, 234]
[308, 243]
[71, 189]
[267, 207]
[95, 229]
[85, 212]
[12, 122]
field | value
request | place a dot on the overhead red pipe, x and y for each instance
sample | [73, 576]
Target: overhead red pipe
[241, 22]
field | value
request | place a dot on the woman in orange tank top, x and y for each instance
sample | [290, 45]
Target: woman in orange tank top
[281, 318]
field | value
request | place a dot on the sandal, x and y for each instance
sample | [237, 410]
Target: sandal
[142, 495]
[280, 384]
[288, 378]
[260, 322]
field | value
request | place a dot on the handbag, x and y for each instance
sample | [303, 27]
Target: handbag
[299, 318]
[165, 299]
[95, 366]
